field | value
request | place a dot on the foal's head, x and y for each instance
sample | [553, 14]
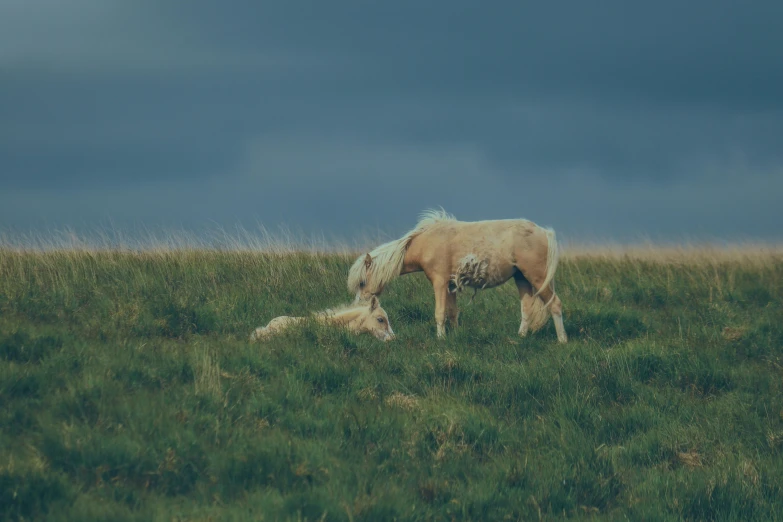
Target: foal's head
[373, 319]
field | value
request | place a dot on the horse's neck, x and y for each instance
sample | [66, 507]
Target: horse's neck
[411, 263]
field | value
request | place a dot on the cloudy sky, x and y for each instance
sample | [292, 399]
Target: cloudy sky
[619, 121]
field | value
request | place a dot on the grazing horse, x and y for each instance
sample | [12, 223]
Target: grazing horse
[364, 317]
[457, 254]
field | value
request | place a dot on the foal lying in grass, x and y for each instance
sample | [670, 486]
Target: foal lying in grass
[363, 317]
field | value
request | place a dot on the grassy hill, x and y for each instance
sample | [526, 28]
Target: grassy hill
[128, 391]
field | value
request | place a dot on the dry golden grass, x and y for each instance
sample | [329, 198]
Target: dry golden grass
[207, 372]
[400, 400]
[242, 241]
[690, 458]
[686, 253]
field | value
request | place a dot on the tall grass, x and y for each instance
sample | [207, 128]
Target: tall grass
[128, 390]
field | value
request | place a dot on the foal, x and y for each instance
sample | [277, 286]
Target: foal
[363, 317]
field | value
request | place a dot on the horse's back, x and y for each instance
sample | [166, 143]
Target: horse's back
[491, 238]
[483, 253]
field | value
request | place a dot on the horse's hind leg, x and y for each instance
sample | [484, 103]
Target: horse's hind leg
[556, 309]
[525, 301]
[276, 325]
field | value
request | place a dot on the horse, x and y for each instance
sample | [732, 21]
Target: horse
[469, 254]
[362, 317]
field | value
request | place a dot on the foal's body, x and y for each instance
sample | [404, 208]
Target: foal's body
[365, 317]
[455, 254]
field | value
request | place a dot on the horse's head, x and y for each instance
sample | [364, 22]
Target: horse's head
[362, 281]
[375, 321]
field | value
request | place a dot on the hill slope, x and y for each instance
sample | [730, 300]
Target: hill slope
[128, 391]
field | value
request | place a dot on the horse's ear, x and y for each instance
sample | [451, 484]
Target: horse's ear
[373, 303]
[367, 261]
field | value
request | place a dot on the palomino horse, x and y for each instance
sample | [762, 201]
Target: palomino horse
[456, 254]
[364, 317]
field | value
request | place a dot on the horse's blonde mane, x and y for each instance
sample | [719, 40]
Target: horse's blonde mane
[342, 310]
[387, 259]
[432, 216]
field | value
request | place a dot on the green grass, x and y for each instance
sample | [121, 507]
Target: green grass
[128, 391]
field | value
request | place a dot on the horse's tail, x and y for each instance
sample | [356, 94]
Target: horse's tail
[552, 258]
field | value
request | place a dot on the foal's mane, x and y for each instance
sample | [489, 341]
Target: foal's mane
[387, 259]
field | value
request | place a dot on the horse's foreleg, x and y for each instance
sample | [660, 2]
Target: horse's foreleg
[451, 309]
[441, 289]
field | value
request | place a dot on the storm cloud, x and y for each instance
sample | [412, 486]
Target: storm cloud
[618, 121]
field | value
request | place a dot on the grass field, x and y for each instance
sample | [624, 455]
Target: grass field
[128, 391]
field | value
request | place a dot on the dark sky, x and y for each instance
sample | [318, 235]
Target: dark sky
[618, 121]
